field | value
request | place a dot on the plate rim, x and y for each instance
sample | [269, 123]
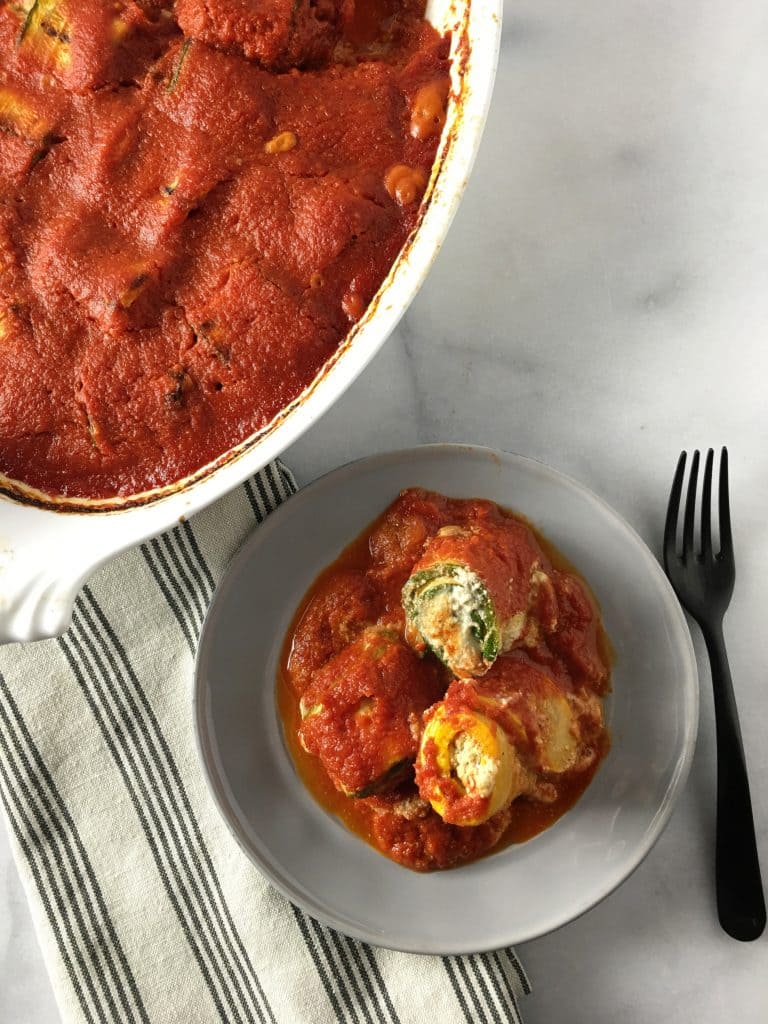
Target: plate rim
[314, 906]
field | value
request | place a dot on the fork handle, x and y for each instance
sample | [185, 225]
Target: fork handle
[740, 900]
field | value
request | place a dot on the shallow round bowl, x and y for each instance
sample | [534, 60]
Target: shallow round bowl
[523, 891]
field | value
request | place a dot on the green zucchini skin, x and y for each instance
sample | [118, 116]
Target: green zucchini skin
[28, 21]
[173, 81]
[391, 777]
[464, 589]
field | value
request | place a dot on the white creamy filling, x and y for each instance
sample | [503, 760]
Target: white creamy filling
[474, 769]
[445, 621]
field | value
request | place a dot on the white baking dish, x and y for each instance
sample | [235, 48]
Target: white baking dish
[49, 546]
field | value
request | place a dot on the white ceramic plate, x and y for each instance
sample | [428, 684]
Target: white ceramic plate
[522, 891]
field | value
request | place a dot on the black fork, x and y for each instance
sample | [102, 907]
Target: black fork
[703, 581]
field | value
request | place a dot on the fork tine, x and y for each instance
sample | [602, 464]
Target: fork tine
[690, 507]
[673, 510]
[706, 507]
[724, 507]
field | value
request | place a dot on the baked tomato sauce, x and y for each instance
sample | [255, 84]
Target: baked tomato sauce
[362, 711]
[326, 663]
[197, 202]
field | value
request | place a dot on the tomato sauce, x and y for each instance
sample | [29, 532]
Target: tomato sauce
[363, 708]
[363, 587]
[197, 203]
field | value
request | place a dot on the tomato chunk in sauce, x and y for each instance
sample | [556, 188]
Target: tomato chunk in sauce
[197, 203]
[347, 653]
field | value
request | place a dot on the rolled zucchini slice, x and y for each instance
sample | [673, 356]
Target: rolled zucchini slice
[361, 712]
[543, 722]
[47, 33]
[390, 764]
[466, 767]
[559, 744]
[449, 610]
[469, 596]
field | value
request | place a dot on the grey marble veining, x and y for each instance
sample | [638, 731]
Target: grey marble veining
[600, 303]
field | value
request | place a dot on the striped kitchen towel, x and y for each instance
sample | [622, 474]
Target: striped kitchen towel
[145, 908]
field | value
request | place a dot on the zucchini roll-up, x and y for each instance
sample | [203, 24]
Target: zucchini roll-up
[467, 597]
[552, 730]
[466, 767]
[361, 713]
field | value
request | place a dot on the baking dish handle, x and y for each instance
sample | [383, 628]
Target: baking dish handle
[45, 558]
[36, 607]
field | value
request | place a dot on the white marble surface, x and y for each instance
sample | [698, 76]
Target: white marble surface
[601, 303]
